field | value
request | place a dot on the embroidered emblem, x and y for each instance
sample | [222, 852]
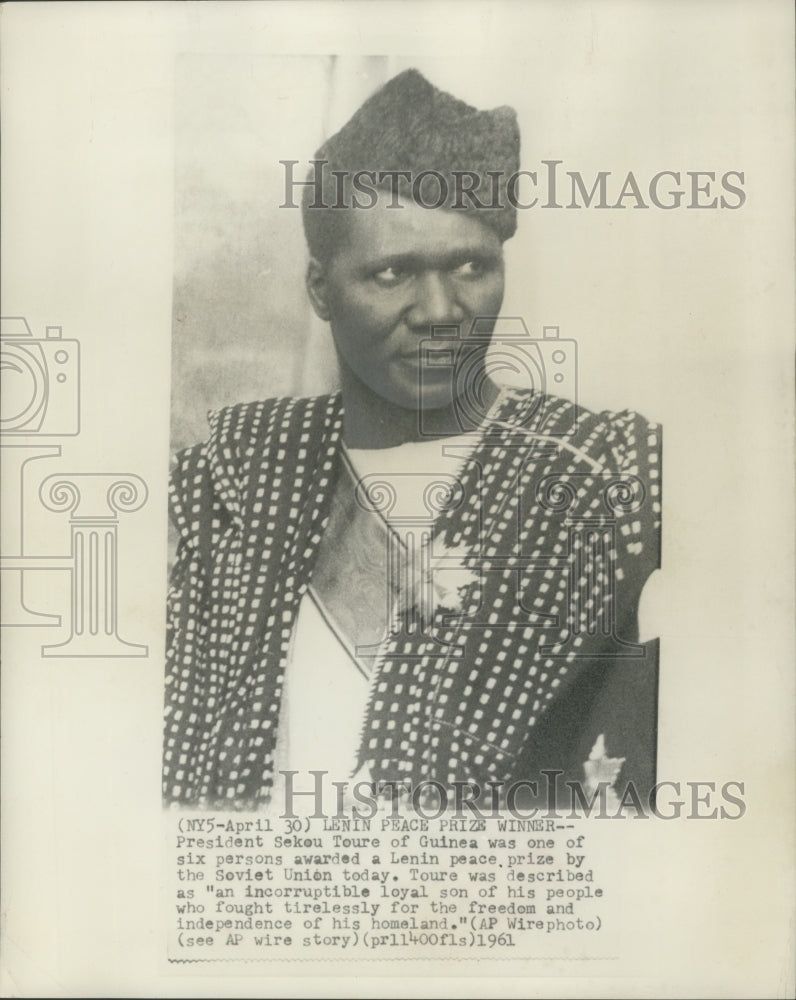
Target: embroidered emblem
[439, 582]
[601, 773]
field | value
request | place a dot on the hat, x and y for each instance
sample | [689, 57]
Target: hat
[410, 125]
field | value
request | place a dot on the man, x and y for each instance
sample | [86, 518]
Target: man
[424, 577]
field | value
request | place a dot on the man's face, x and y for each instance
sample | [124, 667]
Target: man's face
[396, 274]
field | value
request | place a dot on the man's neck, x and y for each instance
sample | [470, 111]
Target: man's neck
[370, 421]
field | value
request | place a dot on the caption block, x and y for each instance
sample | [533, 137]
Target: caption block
[259, 887]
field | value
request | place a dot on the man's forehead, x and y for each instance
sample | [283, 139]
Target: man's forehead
[409, 229]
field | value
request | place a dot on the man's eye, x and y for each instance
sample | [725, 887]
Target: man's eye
[390, 276]
[470, 269]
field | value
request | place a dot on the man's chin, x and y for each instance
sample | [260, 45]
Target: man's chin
[426, 399]
[409, 394]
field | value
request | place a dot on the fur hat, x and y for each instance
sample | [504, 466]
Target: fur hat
[410, 125]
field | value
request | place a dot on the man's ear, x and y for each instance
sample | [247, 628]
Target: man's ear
[317, 288]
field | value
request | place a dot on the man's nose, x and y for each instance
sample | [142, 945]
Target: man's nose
[436, 302]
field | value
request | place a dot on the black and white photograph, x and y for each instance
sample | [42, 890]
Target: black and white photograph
[397, 501]
[436, 564]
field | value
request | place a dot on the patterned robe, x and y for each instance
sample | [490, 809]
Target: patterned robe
[557, 512]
